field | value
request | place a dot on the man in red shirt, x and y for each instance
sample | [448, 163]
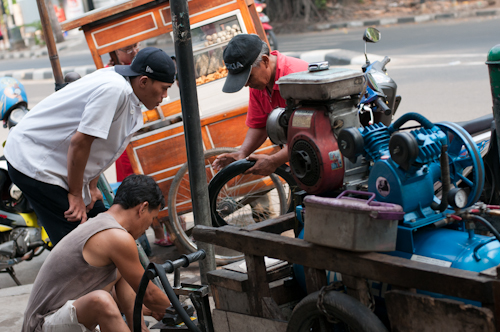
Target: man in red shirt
[250, 63]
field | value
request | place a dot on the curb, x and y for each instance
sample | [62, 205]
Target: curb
[46, 73]
[403, 20]
[42, 51]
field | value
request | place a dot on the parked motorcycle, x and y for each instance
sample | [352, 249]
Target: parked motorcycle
[13, 101]
[264, 19]
[21, 238]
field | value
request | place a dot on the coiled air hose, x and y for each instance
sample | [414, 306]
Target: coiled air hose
[153, 270]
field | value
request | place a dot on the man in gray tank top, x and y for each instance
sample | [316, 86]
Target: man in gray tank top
[72, 289]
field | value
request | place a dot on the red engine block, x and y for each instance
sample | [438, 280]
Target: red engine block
[316, 162]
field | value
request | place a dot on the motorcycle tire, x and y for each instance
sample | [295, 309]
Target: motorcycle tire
[273, 41]
[348, 315]
[226, 202]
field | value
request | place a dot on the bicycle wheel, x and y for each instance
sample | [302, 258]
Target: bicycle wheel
[181, 221]
[345, 314]
[241, 199]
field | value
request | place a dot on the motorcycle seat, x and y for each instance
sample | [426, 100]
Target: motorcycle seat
[478, 125]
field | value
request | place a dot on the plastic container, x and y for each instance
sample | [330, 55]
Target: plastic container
[322, 85]
[351, 223]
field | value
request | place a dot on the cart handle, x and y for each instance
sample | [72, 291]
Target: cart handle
[362, 193]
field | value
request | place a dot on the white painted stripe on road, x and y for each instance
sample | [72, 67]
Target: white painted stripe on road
[436, 65]
[430, 56]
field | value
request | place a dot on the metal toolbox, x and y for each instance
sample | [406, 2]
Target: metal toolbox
[322, 85]
[351, 223]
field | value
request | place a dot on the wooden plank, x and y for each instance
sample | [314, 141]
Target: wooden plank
[238, 281]
[241, 323]
[410, 312]
[315, 279]
[277, 226]
[271, 309]
[140, 24]
[219, 318]
[381, 267]
[228, 279]
[357, 288]
[258, 287]
[495, 307]
[102, 13]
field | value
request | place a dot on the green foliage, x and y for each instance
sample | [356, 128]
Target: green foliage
[321, 4]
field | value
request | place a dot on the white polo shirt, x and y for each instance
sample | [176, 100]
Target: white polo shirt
[101, 104]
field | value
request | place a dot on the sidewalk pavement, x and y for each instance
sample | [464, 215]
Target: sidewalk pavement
[333, 56]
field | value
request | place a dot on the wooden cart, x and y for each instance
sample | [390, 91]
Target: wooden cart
[257, 297]
[159, 149]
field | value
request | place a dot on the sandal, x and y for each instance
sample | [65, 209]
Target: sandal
[164, 242]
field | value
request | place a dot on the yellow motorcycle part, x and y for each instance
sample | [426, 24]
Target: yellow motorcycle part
[45, 238]
[4, 228]
[30, 219]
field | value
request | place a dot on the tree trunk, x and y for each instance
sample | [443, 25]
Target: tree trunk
[289, 10]
[307, 10]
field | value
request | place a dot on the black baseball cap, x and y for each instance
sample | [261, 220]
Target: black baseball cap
[151, 62]
[239, 55]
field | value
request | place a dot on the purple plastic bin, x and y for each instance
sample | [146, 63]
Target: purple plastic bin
[351, 223]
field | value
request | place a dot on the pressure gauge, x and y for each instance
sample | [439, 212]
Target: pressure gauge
[457, 198]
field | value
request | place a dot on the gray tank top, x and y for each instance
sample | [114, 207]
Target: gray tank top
[65, 275]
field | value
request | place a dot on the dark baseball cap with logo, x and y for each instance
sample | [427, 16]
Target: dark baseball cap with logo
[239, 55]
[151, 62]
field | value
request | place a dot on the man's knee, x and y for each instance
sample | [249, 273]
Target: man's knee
[102, 303]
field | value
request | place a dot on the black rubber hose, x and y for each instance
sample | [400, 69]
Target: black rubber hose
[174, 300]
[407, 117]
[137, 316]
[487, 224]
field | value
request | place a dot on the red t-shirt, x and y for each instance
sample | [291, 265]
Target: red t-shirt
[261, 103]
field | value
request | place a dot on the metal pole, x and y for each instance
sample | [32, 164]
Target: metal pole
[493, 62]
[192, 127]
[51, 44]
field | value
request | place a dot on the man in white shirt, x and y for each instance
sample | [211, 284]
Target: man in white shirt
[60, 148]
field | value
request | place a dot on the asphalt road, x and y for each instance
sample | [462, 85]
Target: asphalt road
[439, 68]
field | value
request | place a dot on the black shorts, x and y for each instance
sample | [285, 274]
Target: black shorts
[1, 37]
[50, 202]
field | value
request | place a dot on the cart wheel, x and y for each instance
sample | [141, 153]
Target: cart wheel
[241, 199]
[180, 223]
[345, 312]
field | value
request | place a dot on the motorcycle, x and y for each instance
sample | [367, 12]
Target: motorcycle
[264, 19]
[13, 101]
[21, 238]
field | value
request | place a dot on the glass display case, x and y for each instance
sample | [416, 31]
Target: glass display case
[209, 39]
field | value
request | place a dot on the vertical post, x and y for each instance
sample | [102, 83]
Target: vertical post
[192, 127]
[51, 44]
[493, 62]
